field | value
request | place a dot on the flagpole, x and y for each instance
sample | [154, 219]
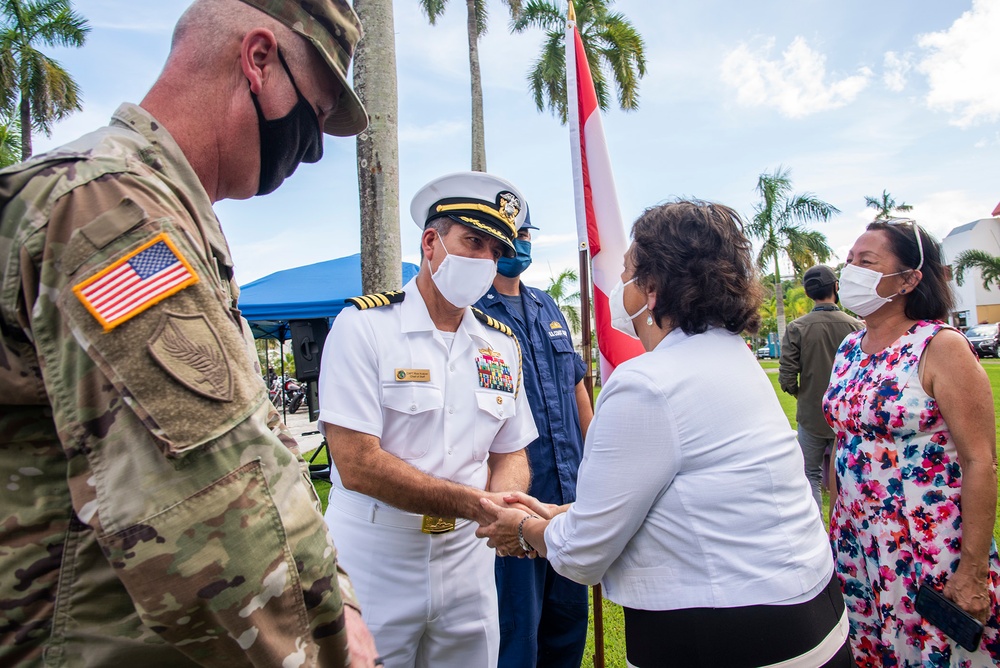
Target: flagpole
[586, 343]
[575, 130]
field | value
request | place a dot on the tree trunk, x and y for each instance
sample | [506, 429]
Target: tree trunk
[378, 148]
[25, 127]
[779, 300]
[478, 125]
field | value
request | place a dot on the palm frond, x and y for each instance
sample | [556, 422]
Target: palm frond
[10, 140]
[433, 9]
[45, 88]
[547, 79]
[539, 14]
[988, 266]
[614, 48]
[807, 207]
[482, 17]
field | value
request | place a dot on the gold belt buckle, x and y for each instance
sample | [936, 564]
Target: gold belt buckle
[434, 524]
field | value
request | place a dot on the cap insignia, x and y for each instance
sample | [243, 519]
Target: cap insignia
[509, 205]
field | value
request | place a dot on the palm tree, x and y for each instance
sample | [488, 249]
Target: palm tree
[476, 24]
[559, 289]
[798, 302]
[778, 222]
[611, 42]
[988, 266]
[885, 205]
[46, 92]
[378, 148]
[10, 140]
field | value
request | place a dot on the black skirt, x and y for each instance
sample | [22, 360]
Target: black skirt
[746, 637]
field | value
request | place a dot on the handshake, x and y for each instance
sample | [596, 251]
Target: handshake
[507, 518]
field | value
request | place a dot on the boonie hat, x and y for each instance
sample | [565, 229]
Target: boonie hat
[334, 29]
[817, 277]
[481, 201]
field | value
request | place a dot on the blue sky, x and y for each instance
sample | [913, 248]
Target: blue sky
[853, 97]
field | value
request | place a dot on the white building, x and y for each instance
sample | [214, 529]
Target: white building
[973, 303]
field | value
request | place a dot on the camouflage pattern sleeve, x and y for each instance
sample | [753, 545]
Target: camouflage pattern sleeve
[173, 526]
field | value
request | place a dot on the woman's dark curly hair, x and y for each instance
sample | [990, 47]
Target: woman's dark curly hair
[932, 299]
[696, 259]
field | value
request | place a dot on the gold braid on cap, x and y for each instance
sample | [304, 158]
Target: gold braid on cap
[493, 212]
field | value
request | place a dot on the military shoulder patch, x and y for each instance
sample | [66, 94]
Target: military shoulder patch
[377, 299]
[491, 322]
[130, 285]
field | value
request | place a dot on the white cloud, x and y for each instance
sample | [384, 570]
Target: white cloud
[895, 69]
[988, 140]
[962, 66]
[940, 212]
[796, 84]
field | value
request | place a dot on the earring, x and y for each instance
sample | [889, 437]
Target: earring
[903, 291]
[649, 319]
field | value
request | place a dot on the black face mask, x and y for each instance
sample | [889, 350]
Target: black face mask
[287, 141]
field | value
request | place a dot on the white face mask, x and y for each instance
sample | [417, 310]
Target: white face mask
[463, 280]
[620, 318]
[857, 289]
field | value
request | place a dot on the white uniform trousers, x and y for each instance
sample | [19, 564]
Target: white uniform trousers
[428, 599]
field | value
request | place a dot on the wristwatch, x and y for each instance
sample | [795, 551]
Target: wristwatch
[525, 545]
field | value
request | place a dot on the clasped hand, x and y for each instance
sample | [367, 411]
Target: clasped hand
[500, 521]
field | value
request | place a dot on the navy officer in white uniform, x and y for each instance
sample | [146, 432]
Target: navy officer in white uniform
[422, 404]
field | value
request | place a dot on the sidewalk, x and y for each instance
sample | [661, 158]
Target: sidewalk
[298, 423]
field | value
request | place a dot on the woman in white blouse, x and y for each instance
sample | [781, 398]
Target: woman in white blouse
[692, 507]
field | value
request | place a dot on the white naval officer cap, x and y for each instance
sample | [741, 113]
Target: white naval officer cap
[481, 201]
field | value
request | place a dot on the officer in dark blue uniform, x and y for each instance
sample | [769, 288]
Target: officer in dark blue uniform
[543, 616]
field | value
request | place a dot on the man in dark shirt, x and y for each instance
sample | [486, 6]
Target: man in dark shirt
[543, 616]
[807, 352]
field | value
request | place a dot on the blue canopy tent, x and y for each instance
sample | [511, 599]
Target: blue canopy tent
[303, 293]
[314, 291]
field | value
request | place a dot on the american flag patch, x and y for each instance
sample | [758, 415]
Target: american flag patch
[131, 285]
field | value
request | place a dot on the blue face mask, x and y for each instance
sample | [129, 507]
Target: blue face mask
[512, 267]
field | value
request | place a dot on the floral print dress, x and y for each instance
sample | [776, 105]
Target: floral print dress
[897, 519]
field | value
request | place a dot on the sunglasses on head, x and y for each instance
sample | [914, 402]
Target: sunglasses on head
[912, 224]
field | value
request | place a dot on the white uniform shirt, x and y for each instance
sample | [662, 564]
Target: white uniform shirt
[445, 425]
[691, 490]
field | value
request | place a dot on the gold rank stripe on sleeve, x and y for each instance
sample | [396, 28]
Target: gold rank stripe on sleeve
[377, 299]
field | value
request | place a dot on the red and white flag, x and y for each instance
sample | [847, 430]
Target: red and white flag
[598, 219]
[996, 211]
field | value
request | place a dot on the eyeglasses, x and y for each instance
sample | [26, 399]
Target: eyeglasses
[916, 232]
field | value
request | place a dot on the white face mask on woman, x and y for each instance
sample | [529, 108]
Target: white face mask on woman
[857, 289]
[620, 318]
[463, 280]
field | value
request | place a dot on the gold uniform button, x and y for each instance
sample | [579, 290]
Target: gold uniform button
[499, 400]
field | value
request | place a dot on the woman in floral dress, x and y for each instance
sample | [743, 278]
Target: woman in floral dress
[916, 458]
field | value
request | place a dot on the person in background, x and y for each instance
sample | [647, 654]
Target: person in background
[422, 402]
[543, 616]
[807, 352]
[149, 515]
[692, 507]
[915, 462]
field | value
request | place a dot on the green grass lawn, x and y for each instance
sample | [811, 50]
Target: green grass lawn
[614, 621]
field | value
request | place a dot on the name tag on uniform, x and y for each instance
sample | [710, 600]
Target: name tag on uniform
[413, 375]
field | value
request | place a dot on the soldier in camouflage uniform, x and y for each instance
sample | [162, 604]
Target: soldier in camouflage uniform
[150, 512]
